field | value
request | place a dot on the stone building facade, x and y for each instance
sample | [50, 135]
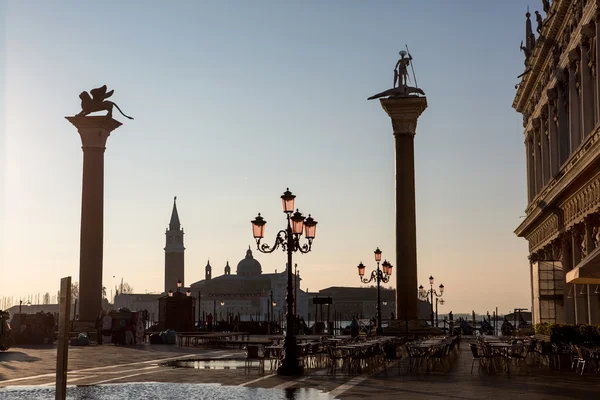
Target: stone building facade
[559, 98]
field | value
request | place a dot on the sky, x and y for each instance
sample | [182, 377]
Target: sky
[233, 102]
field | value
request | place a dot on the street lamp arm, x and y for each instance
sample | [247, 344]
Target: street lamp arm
[302, 248]
[280, 240]
[371, 279]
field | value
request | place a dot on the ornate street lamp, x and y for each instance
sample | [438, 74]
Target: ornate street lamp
[380, 276]
[441, 303]
[289, 240]
[179, 284]
[170, 292]
[188, 293]
[425, 294]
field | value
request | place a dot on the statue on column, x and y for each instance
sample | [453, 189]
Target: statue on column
[401, 69]
[97, 102]
[401, 77]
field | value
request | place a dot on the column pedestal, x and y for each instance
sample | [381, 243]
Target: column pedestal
[404, 113]
[93, 132]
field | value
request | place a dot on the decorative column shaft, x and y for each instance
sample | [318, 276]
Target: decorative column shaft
[587, 90]
[545, 149]
[530, 167]
[93, 132]
[574, 100]
[597, 64]
[563, 117]
[553, 131]
[404, 112]
[537, 157]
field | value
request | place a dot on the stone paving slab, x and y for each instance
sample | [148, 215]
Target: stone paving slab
[113, 364]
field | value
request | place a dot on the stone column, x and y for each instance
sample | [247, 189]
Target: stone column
[404, 112]
[93, 132]
[563, 117]
[567, 263]
[545, 146]
[581, 309]
[593, 300]
[587, 89]
[553, 131]
[537, 156]
[574, 100]
[530, 168]
[597, 55]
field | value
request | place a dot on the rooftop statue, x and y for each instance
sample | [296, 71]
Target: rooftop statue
[401, 77]
[546, 4]
[539, 20]
[97, 102]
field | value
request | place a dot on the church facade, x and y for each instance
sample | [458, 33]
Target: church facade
[559, 98]
[249, 293]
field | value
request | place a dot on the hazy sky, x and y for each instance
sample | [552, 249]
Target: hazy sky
[233, 102]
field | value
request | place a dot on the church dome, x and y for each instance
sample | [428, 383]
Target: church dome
[249, 266]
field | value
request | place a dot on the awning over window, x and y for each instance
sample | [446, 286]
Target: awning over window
[587, 271]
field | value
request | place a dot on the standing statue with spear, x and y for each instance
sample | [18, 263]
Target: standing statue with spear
[401, 79]
[401, 70]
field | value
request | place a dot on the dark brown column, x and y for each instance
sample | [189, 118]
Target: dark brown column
[564, 145]
[93, 132]
[530, 167]
[597, 55]
[574, 99]
[404, 113]
[587, 88]
[553, 132]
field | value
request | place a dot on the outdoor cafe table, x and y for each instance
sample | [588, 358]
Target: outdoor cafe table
[503, 349]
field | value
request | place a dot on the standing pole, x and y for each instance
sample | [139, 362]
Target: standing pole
[379, 330]
[62, 358]
[295, 289]
[436, 313]
[431, 291]
[290, 365]
[411, 66]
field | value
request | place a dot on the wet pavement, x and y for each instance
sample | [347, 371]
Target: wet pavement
[137, 391]
[108, 372]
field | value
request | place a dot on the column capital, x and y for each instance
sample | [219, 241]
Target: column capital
[404, 112]
[588, 30]
[94, 130]
[574, 55]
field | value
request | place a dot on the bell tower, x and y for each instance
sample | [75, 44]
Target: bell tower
[174, 251]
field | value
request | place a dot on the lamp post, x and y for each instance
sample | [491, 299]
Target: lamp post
[295, 288]
[380, 276]
[425, 294]
[441, 301]
[179, 284]
[289, 240]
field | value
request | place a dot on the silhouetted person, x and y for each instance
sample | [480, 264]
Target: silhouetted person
[354, 328]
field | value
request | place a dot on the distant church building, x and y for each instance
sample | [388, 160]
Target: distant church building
[174, 252]
[247, 293]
